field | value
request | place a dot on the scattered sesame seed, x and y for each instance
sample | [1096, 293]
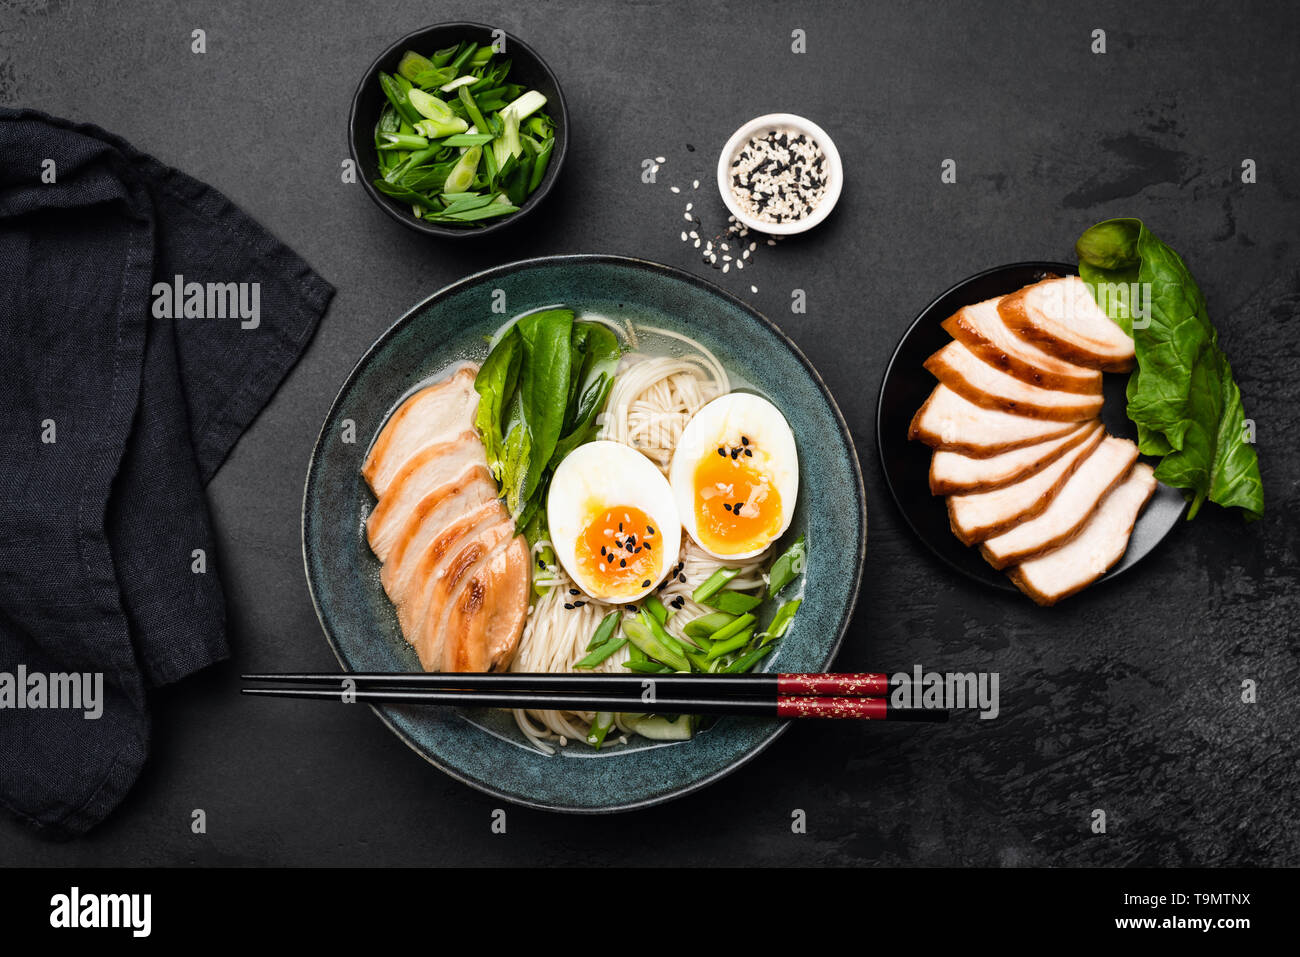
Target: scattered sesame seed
[697, 244]
[660, 159]
[674, 189]
[695, 185]
[684, 236]
[753, 289]
[689, 207]
[726, 267]
[646, 583]
[687, 217]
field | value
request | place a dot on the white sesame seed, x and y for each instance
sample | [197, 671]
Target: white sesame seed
[674, 189]
[697, 244]
[694, 234]
[683, 235]
[753, 289]
[771, 242]
[660, 159]
[731, 219]
[726, 267]
[725, 246]
[695, 185]
[689, 207]
[740, 264]
[753, 246]
[687, 217]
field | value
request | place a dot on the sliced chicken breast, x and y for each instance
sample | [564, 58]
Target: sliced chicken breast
[1074, 566]
[982, 515]
[432, 466]
[487, 618]
[409, 588]
[981, 330]
[430, 518]
[1061, 317]
[981, 383]
[1071, 507]
[948, 422]
[431, 636]
[954, 474]
[435, 414]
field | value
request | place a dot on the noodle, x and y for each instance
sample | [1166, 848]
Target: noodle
[652, 399]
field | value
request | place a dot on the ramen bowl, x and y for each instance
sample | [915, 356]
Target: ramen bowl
[484, 748]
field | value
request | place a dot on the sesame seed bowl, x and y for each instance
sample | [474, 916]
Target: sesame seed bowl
[780, 174]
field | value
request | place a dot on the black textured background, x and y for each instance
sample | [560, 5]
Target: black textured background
[1126, 698]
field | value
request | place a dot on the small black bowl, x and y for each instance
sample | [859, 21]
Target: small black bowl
[526, 68]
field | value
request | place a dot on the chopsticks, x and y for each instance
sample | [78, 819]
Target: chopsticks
[853, 696]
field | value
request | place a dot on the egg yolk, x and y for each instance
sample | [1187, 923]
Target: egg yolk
[618, 552]
[737, 505]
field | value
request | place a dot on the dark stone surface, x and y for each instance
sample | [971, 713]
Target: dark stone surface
[1125, 699]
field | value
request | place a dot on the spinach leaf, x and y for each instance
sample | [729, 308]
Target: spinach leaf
[543, 388]
[1182, 396]
[590, 385]
[495, 385]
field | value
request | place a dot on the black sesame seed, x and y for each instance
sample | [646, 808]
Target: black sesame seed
[722, 451]
[749, 452]
[623, 563]
[646, 583]
[744, 440]
[574, 591]
[649, 530]
[568, 605]
[579, 604]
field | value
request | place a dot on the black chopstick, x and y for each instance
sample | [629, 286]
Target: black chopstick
[765, 685]
[775, 706]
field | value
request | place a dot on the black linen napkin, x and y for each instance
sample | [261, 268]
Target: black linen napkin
[117, 409]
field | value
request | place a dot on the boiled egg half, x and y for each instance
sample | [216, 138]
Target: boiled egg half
[735, 475]
[613, 521]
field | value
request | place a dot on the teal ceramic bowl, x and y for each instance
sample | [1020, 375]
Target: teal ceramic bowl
[483, 748]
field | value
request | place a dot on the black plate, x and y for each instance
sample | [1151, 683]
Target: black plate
[906, 464]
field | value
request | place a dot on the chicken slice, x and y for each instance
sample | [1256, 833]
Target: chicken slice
[983, 384]
[1061, 317]
[954, 474]
[432, 466]
[1094, 551]
[981, 330]
[409, 588]
[982, 515]
[429, 631]
[1070, 508]
[435, 414]
[430, 518]
[947, 421]
[487, 617]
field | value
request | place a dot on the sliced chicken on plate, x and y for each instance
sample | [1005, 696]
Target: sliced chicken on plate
[951, 423]
[954, 474]
[981, 330]
[1073, 504]
[1098, 546]
[982, 515]
[981, 383]
[1060, 316]
[1030, 474]
[437, 413]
